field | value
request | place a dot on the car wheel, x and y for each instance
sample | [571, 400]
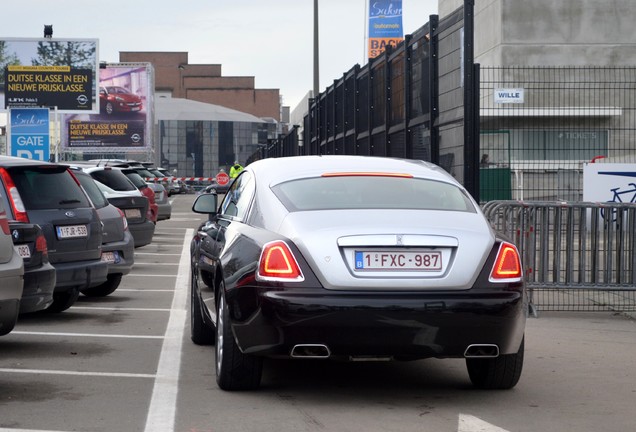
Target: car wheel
[499, 373]
[234, 370]
[109, 108]
[102, 290]
[200, 332]
[64, 300]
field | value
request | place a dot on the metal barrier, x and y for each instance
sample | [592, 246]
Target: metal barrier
[576, 255]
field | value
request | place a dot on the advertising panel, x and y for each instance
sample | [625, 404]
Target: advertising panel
[125, 117]
[49, 73]
[385, 25]
[30, 133]
[609, 182]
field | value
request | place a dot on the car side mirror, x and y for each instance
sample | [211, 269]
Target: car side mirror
[206, 203]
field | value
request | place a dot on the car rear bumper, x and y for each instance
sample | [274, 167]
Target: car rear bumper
[39, 284]
[408, 326]
[80, 274]
[142, 233]
[125, 251]
[164, 211]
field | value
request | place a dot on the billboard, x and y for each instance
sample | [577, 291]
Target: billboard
[29, 131]
[49, 73]
[385, 25]
[124, 120]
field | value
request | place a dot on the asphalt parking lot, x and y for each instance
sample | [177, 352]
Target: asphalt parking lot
[125, 363]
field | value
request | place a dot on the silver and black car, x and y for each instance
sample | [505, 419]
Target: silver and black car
[49, 195]
[354, 258]
[11, 276]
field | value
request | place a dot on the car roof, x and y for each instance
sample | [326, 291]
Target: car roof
[273, 171]
[18, 161]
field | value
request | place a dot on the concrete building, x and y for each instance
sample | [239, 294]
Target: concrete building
[552, 33]
[175, 77]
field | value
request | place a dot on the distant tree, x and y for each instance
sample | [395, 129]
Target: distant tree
[6, 59]
[75, 54]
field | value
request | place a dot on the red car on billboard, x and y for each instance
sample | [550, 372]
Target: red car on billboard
[117, 99]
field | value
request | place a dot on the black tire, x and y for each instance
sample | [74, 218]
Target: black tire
[499, 373]
[234, 370]
[201, 332]
[63, 300]
[102, 290]
[109, 108]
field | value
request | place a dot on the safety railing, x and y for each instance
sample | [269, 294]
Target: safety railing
[576, 255]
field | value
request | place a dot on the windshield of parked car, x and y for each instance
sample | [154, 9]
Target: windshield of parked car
[48, 188]
[96, 195]
[114, 179]
[371, 192]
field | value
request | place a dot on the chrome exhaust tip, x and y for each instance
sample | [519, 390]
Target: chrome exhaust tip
[316, 351]
[482, 351]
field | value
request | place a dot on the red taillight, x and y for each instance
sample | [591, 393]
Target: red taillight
[367, 174]
[41, 246]
[123, 218]
[507, 265]
[14, 197]
[278, 263]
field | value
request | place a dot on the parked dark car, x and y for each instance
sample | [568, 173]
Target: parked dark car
[11, 277]
[117, 99]
[39, 273]
[118, 182]
[135, 208]
[117, 242]
[49, 195]
[354, 258]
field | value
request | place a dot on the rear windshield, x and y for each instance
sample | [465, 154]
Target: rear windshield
[371, 192]
[136, 179]
[114, 179]
[96, 195]
[44, 188]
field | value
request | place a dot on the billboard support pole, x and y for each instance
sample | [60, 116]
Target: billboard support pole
[57, 133]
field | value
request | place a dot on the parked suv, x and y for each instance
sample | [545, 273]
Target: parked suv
[11, 272]
[49, 195]
[117, 242]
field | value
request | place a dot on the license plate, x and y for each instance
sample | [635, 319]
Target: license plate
[110, 257]
[23, 251]
[71, 231]
[135, 108]
[397, 261]
[132, 213]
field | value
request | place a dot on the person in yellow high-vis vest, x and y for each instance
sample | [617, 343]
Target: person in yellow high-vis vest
[235, 170]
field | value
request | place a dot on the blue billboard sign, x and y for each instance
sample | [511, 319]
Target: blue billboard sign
[30, 133]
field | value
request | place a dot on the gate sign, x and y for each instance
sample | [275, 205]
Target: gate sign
[609, 182]
[30, 133]
[222, 178]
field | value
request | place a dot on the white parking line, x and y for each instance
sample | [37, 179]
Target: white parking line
[90, 335]
[122, 309]
[159, 254]
[163, 404]
[143, 290]
[75, 373]
[148, 275]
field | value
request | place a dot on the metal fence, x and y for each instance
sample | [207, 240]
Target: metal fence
[533, 146]
[416, 100]
[577, 256]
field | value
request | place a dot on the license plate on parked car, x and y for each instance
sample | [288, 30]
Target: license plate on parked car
[110, 257]
[399, 260]
[132, 213]
[71, 231]
[23, 251]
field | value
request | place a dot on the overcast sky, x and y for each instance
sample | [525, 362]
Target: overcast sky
[270, 40]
